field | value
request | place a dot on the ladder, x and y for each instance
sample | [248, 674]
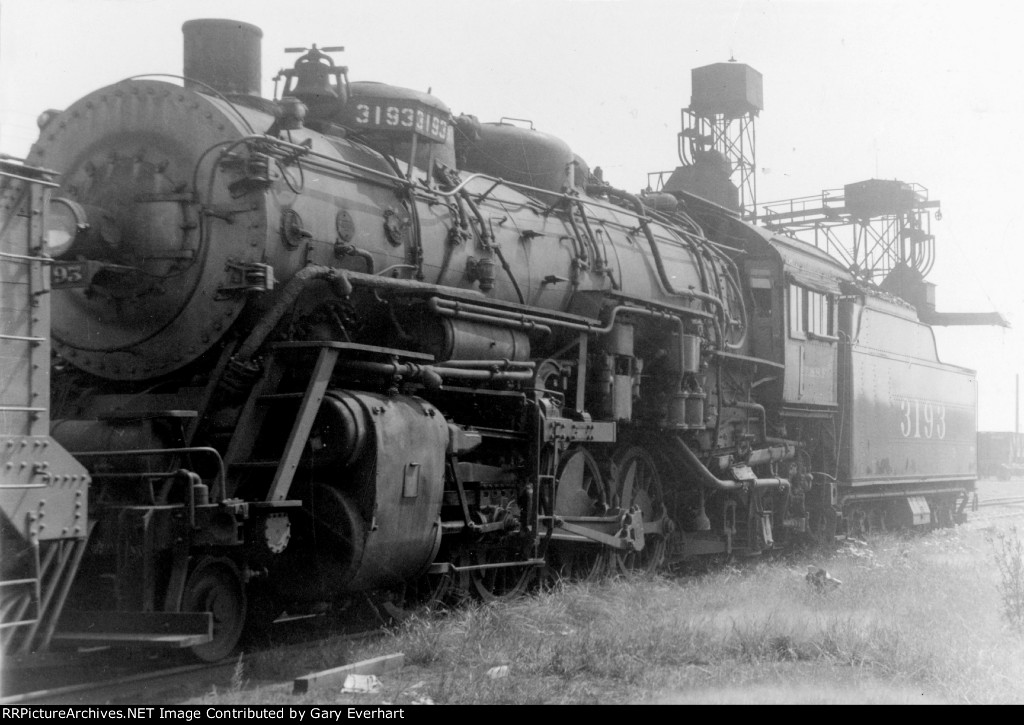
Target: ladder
[267, 392]
[44, 526]
[32, 605]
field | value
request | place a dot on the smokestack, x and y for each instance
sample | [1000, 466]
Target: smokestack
[222, 54]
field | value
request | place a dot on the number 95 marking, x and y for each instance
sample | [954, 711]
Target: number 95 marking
[68, 275]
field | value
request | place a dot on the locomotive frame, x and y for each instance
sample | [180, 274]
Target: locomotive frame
[343, 342]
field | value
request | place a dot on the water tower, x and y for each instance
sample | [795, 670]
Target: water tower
[717, 140]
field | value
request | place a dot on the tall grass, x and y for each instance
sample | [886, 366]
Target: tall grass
[918, 614]
[916, 620]
[1009, 558]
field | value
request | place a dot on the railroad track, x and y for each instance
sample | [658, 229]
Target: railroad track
[173, 684]
[156, 686]
[163, 685]
[1002, 507]
[1002, 501]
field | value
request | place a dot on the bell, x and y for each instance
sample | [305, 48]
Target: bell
[312, 81]
[317, 82]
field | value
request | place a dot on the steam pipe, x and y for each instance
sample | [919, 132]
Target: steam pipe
[508, 271]
[600, 254]
[599, 257]
[699, 251]
[488, 241]
[660, 264]
[446, 307]
[343, 281]
[449, 248]
[764, 423]
[530, 322]
[289, 294]
[523, 322]
[485, 235]
[582, 251]
[432, 375]
[691, 232]
[461, 190]
[709, 480]
[395, 285]
[414, 212]
[351, 250]
[502, 364]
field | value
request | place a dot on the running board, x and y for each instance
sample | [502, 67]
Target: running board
[171, 630]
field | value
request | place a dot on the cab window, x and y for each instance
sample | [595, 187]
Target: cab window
[761, 292]
[811, 313]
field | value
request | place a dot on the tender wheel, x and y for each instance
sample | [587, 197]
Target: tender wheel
[215, 586]
[943, 510]
[867, 520]
[878, 520]
[823, 519]
[857, 522]
[637, 483]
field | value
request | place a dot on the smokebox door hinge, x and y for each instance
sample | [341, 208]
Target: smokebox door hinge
[247, 277]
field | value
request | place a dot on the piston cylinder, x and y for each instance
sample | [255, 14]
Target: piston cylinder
[339, 434]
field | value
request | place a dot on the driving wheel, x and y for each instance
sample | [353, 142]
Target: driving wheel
[636, 482]
[580, 492]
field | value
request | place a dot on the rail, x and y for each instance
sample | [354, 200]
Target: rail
[1003, 501]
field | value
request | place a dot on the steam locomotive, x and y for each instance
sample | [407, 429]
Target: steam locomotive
[268, 354]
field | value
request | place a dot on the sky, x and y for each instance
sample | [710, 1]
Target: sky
[924, 91]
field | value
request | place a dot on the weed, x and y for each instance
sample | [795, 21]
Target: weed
[1009, 557]
[238, 680]
[915, 620]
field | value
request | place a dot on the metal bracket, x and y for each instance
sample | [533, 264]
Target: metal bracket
[629, 534]
[225, 213]
[563, 429]
[247, 277]
[254, 169]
